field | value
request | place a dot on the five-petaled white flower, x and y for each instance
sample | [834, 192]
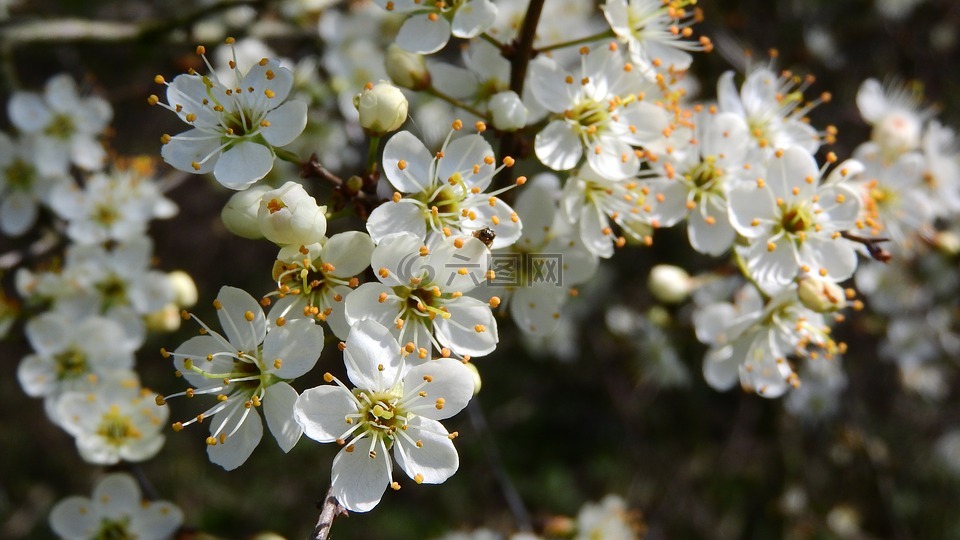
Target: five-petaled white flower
[115, 510]
[600, 112]
[693, 181]
[773, 108]
[793, 224]
[655, 32]
[247, 369]
[395, 406]
[114, 420]
[317, 280]
[443, 194]
[420, 296]
[430, 24]
[235, 127]
[66, 126]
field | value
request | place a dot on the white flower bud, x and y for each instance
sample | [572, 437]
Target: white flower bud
[508, 111]
[184, 289]
[476, 377]
[290, 216]
[821, 295]
[240, 213]
[897, 133]
[407, 69]
[947, 242]
[166, 319]
[382, 108]
[669, 284]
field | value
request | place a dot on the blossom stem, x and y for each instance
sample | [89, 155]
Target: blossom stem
[330, 509]
[492, 40]
[456, 102]
[288, 156]
[372, 154]
[578, 41]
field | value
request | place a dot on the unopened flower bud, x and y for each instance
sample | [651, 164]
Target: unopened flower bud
[947, 242]
[507, 111]
[240, 213]
[821, 295]
[382, 108]
[669, 284]
[476, 377]
[184, 289]
[166, 319]
[407, 69]
[290, 216]
[897, 133]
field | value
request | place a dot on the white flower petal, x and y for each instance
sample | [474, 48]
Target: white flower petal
[536, 310]
[415, 176]
[461, 156]
[459, 332]
[364, 303]
[727, 95]
[321, 412]
[193, 146]
[721, 368]
[394, 217]
[706, 237]
[297, 345]
[420, 34]
[278, 403]
[286, 123]
[244, 334]
[74, 518]
[449, 380]
[349, 253]
[872, 101]
[28, 112]
[359, 480]
[473, 18]
[558, 146]
[548, 84]
[372, 357]
[243, 164]
[238, 446]
[436, 460]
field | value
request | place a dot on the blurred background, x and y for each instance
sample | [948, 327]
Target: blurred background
[615, 403]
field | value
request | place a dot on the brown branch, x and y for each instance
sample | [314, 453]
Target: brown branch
[520, 52]
[872, 245]
[329, 509]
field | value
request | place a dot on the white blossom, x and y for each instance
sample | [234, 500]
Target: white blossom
[235, 126]
[395, 406]
[247, 370]
[115, 510]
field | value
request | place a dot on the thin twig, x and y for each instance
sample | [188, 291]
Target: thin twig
[520, 52]
[75, 29]
[510, 493]
[329, 510]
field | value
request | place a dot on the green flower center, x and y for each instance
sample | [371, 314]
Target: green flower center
[381, 413]
[796, 219]
[61, 127]
[71, 364]
[706, 176]
[592, 116]
[117, 428]
[114, 530]
[20, 175]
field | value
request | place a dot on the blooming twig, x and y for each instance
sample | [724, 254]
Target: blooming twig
[329, 509]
